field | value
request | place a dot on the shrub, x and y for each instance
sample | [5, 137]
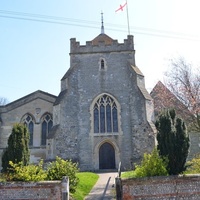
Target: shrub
[55, 171]
[193, 166]
[59, 168]
[18, 147]
[173, 140]
[152, 165]
[27, 173]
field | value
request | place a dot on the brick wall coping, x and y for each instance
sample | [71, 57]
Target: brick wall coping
[28, 183]
[157, 178]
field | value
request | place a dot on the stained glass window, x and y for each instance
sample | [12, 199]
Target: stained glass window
[96, 120]
[105, 115]
[29, 123]
[47, 124]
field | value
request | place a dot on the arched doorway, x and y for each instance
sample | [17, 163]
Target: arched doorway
[106, 156]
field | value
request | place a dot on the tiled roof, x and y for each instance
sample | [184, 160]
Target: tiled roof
[164, 98]
[102, 38]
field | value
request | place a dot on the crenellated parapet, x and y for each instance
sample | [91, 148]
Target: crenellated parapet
[101, 43]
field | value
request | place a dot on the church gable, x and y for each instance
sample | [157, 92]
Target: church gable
[27, 99]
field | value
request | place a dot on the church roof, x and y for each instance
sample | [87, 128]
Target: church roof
[28, 98]
[102, 38]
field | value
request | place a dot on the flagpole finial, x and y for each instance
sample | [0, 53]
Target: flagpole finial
[102, 26]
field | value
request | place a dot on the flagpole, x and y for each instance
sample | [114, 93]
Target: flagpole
[127, 17]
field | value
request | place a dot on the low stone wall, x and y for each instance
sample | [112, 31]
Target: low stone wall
[162, 188]
[51, 190]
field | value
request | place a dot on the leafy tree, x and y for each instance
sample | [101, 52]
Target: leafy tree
[18, 147]
[152, 165]
[59, 168]
[173, 140]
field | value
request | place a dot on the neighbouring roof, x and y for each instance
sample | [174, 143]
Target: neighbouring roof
[164, 98]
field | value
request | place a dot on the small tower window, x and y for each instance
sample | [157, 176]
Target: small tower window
[102, 64]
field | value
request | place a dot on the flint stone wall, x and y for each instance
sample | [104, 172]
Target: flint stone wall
[50, 190]
[162, 188]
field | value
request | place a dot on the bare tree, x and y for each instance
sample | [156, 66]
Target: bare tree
[184, 82]
[3, 101]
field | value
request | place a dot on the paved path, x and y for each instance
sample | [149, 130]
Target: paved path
[104, 188]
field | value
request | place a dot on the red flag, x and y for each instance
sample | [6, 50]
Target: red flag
[121, 7]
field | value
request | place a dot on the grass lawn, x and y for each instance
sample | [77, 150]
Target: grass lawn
[86, 183]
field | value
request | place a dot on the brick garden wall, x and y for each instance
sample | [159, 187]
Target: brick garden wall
[50, 190]
[162, 188]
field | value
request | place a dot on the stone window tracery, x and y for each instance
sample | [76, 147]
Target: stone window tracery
[29, 123]
[47, 124]
[105, 115]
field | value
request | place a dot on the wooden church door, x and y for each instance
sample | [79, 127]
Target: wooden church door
[106, 156]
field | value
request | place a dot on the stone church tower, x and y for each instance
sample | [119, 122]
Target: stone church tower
[102, 116]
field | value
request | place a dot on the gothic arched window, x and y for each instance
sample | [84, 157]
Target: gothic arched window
[47, 124]
[29, 123]
[105, 114]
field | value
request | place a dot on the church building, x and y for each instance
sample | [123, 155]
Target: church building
[102, 116]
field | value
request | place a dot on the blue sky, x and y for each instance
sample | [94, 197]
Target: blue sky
[35, 38]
